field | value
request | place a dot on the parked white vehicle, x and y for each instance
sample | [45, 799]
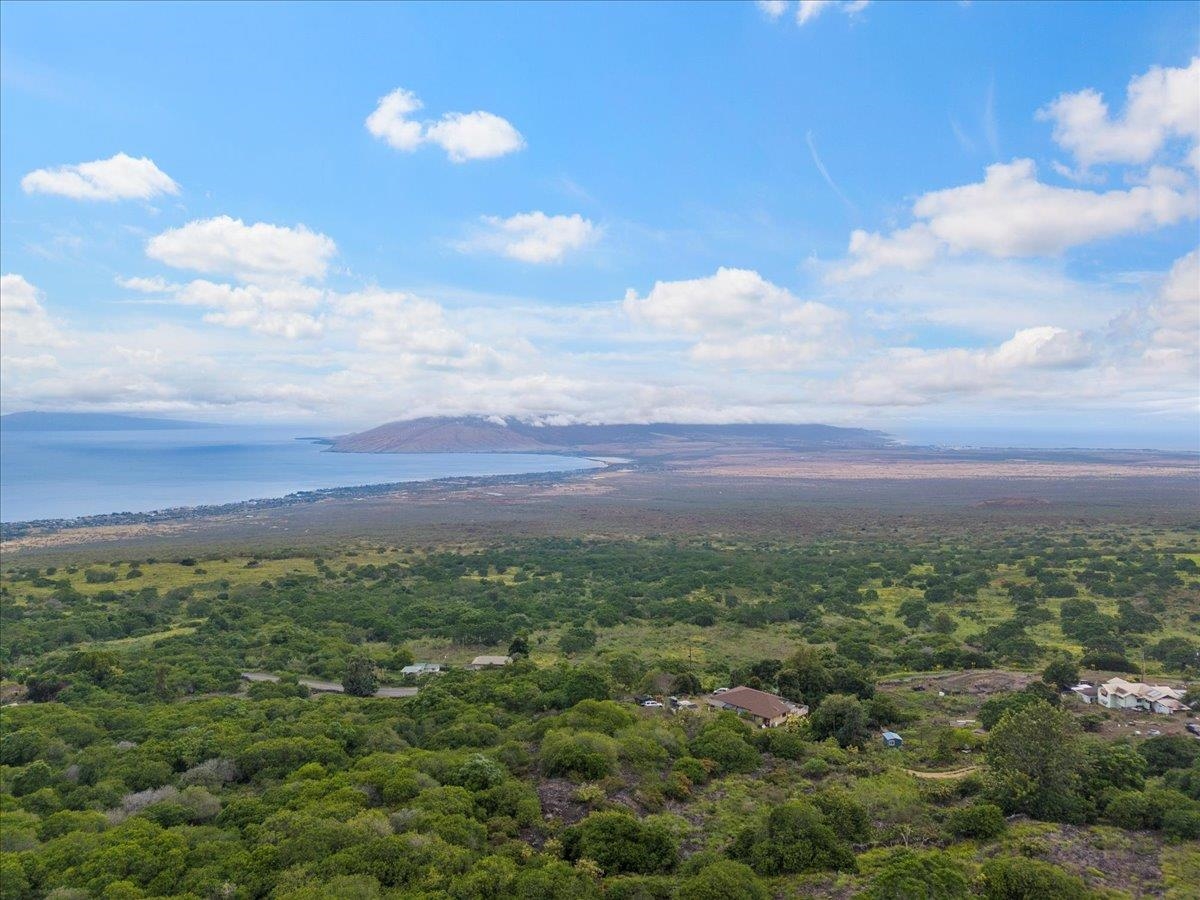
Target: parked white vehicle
[652, 704]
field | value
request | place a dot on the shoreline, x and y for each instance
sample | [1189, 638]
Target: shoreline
[10, 531]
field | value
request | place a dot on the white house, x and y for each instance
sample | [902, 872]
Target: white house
[1117, 693]
[422, 669]
[1085, 692]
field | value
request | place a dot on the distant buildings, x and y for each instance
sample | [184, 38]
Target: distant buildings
[422, 669]
[1117, 693]
[489, 662]
[765, 710]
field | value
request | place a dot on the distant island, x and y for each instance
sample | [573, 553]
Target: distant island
[68, 421]
[479, 434]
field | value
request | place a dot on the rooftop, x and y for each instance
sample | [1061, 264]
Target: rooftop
[491, 660]
[1146, 691]
[757, 703]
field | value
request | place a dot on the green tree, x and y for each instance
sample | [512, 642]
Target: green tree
[843, 718]
[722, 880]
[1035, 760]
[1169, 751]
[794, 837]
[577, 639]
[360, 679]
[805, 677]
[994, 708]
[618, 842]
[910, 875]
[1061, 673]
[1017, 878]
[584, 754]
[980, 820]
[727, 748]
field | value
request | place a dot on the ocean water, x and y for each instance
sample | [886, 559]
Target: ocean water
[63, 474]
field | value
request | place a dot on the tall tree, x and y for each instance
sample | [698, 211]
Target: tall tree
[1035, 758]
[360, 679]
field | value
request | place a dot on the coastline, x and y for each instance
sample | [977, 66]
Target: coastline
[14, 530]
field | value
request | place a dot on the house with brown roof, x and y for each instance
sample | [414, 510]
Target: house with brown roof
[765, 710]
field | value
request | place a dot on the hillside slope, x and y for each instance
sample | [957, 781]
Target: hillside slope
[480, 435]
[468, 434]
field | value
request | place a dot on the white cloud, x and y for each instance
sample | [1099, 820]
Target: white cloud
[464, 136]
[474, 135]
[730, 300]
[23, 319]
[987, 297]
[1161, 105]
[120, 177]
[146, 285]
[533, 237]
[1175, 315]
[739, 318]
[258, 252]
[395, 321]
[807, 10]
[772, 352]
[910, 376]
[772, 9]
[390, 123]
[279, 310]
[1011, 213]
[909, 248]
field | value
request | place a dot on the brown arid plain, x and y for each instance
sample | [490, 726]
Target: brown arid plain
[693, 490]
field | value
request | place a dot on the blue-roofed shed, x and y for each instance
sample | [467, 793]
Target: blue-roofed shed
[891, 739]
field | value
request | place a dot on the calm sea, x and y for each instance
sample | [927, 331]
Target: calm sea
[62, 474]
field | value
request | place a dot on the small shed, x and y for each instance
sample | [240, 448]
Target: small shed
[891, 739]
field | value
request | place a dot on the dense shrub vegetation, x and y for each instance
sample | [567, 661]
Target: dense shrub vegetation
[136, 761]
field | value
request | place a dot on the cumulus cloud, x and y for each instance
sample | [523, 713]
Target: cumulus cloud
[390, 121]
[807, 10]
[258, 252]
[772, 9]
[23, 319]
[1175, 314]
[731, 299]
[533, 237]
[397, 321]
[908, 376]
[279, 310]
[739, 318]
[1161, 105]
[119, 177]
[464, 136]
[1011, 213]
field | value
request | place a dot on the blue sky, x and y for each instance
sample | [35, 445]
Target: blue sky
[608, 212]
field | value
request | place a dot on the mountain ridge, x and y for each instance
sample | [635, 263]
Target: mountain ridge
[481, 434]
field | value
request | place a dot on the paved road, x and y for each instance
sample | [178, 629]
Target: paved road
[329, 687]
